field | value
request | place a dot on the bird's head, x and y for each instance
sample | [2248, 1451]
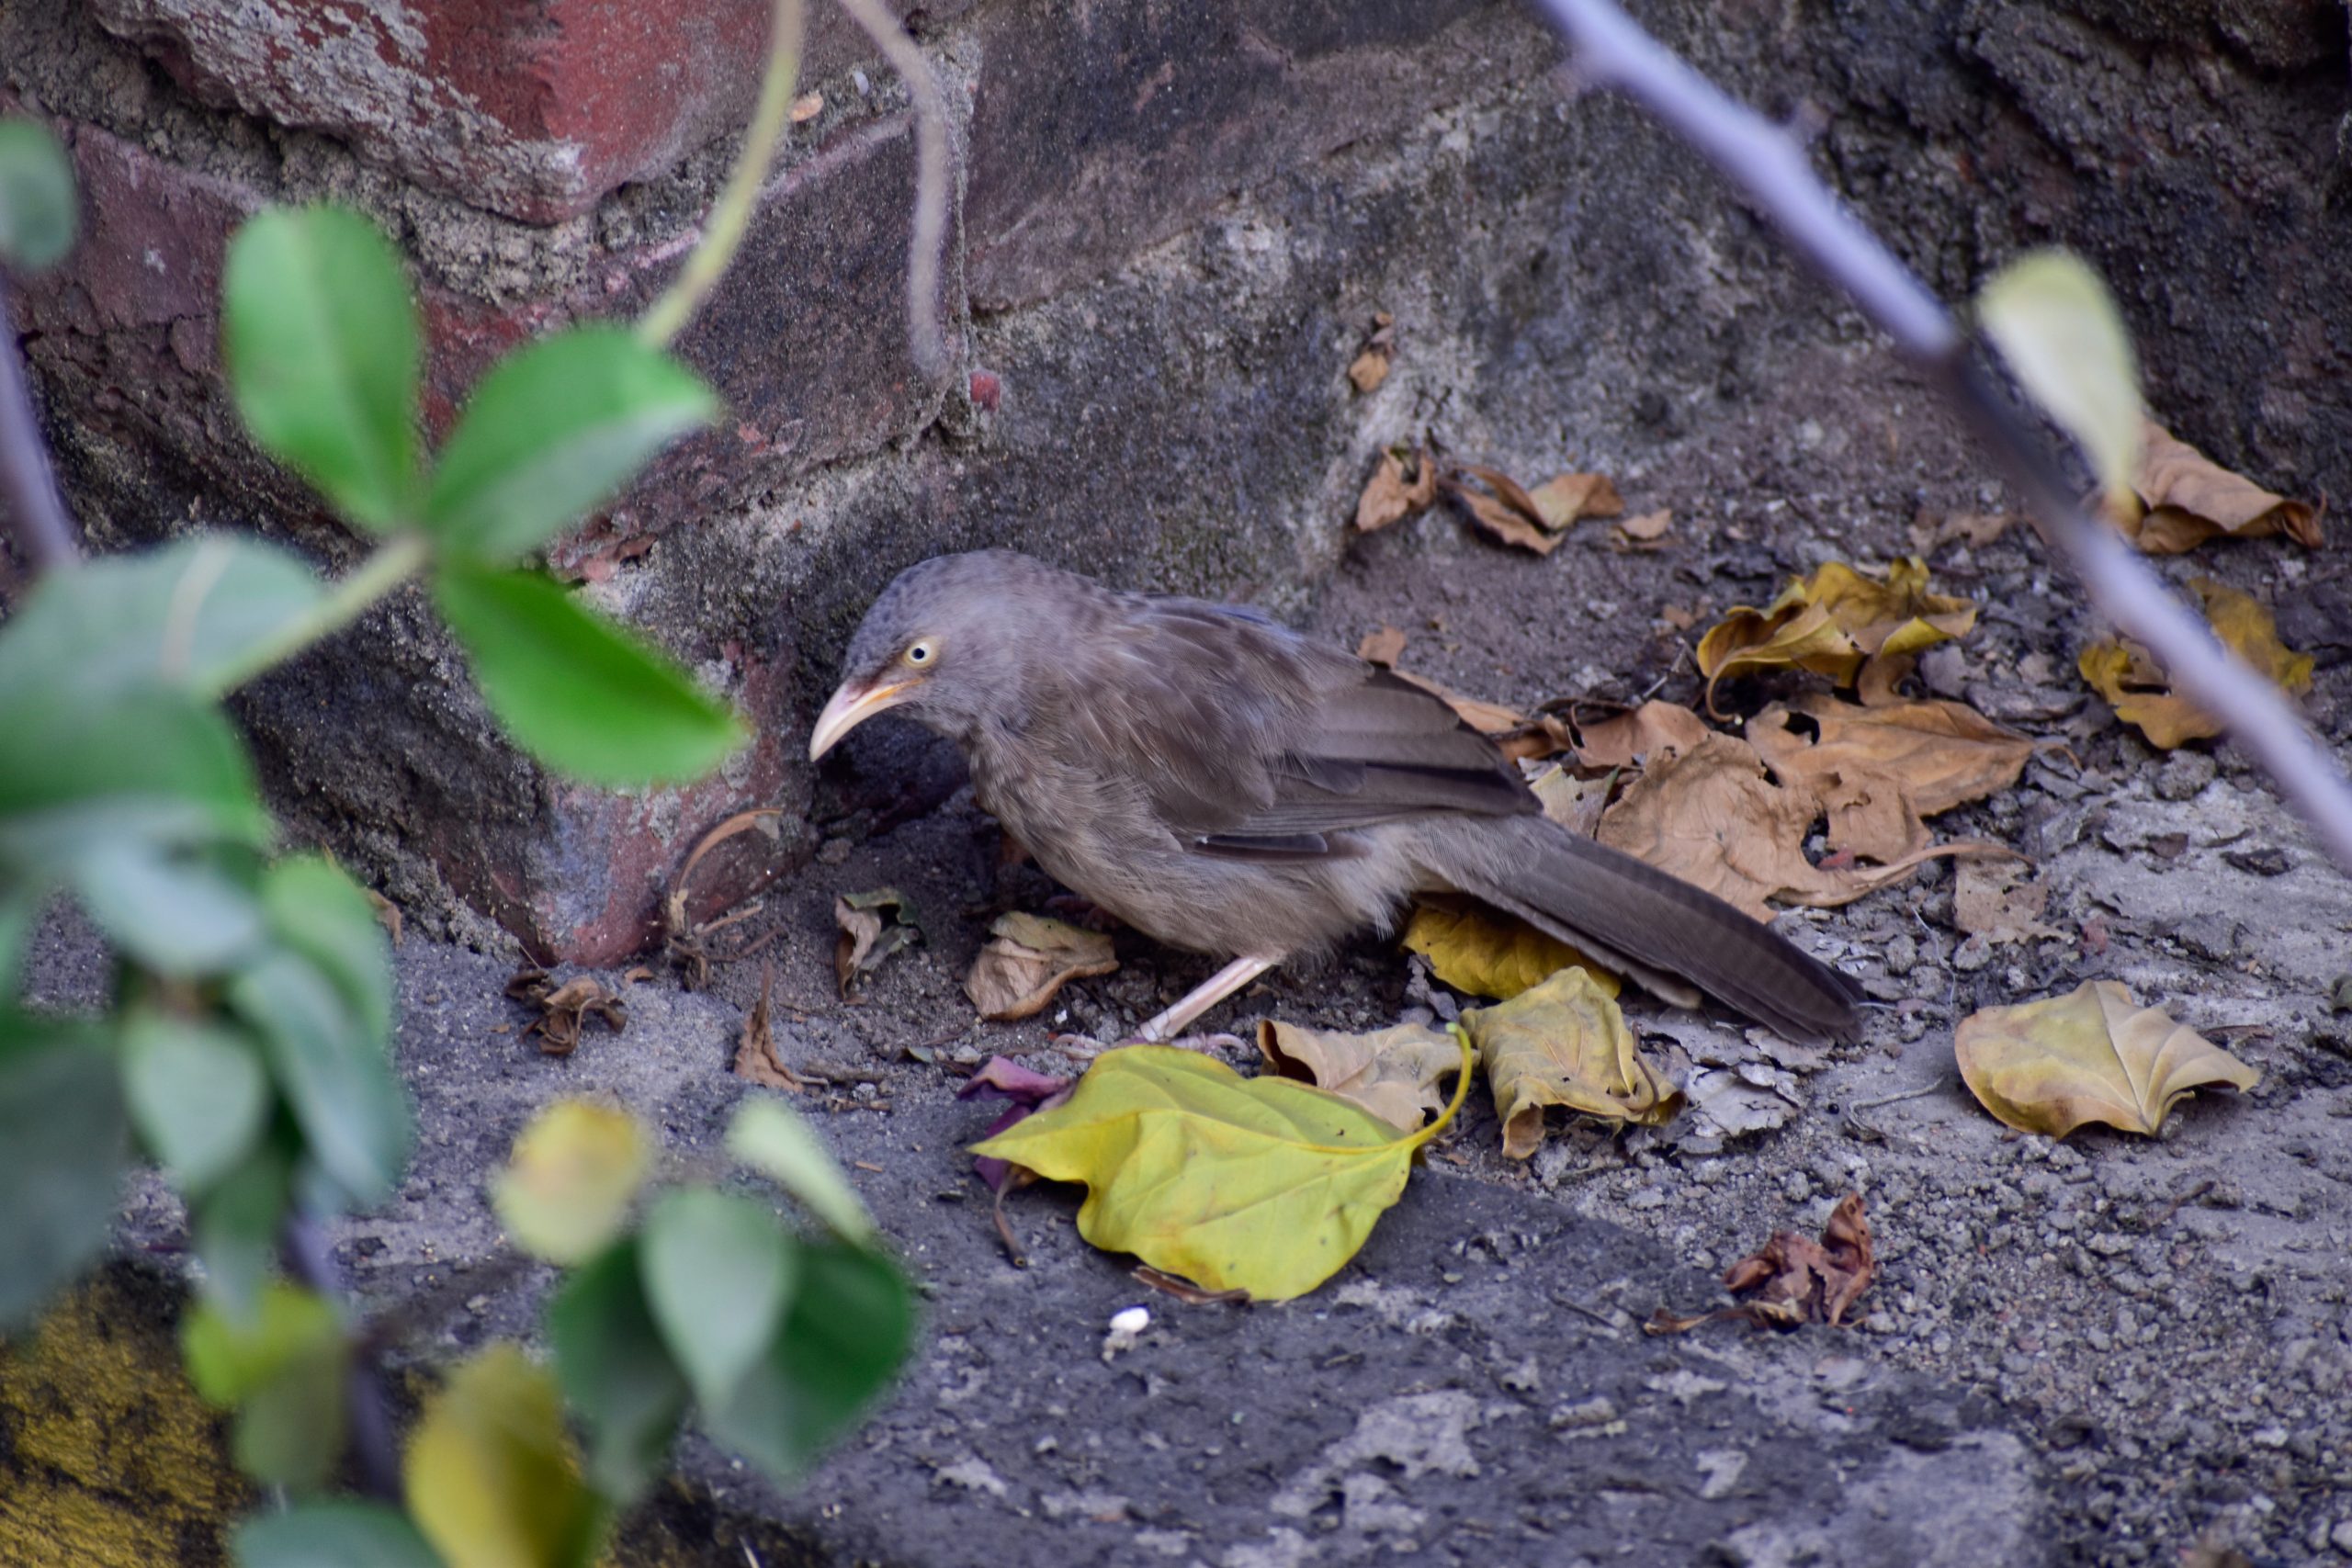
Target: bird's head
[941, 644]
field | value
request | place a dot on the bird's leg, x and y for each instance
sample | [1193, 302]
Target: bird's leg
[1203, 997]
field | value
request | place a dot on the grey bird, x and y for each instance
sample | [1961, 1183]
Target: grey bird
[1225, 784]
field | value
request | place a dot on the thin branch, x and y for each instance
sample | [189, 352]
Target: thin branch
[927, 241]
[731, 213]
[391, 563]
[30, 490]
[1769, 169]
[309, 1260]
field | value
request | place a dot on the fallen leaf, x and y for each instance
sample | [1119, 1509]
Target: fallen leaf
[1261, 1185]
[1030, 1093]
[565, 1009]
[1794, 1279]
[1564, 1043]
[1943, 753]
[1028, 958]
[1513, 525]
[2093, 1055]
[1383, 647]
[565, 1190]
[1560, 502]
[1997, 900]
[755, 1054]
[1486, 717]
[1370, 369]
[1652, 733]
[1646, 532]
[2136, 686]
[1393, 1073]
[388, 914]
[2184, 498]
[1396, 492]
[866, 939]
[1930, 532]
[1575, 804]
[1473, 949]
[1834, 621]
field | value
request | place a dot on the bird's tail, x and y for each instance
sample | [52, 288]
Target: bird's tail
[1629, 914]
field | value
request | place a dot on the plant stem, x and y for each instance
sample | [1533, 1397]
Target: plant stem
[1767, 167]
[26, 481]
[391, 563]
[928, 235]
[723, 229]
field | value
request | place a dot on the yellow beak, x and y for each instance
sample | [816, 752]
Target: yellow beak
[850, 707]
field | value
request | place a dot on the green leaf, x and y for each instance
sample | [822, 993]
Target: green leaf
[177, 616]
[64, 1141]
[198, 1095]
[338, 1534]
[37, 212]
[850, 1329]
[315, 908]
[582, 696]
[490, 1475]
[338, 1080]
[778, 1144]
[2058, 327]
[235, 1230]
[1261, 1185]
[282, 1371]
[168, 911]
[553, 430]
[322, 347]
[566, 1189]
[610, 1360]
[718, 1272]
[20, 907]
[154, 763]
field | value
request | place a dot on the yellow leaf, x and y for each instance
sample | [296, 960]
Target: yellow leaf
[2058, 327]
[1564, 1043]
[1489, 955]
[1832, 621]
[2091, 1055]
[1560, 500]
[2134, 684]
[1575, 804]
[1749, 638]
[1260, 1185]
[491, 1477]
[1393, 1073]
[2183, 498]
[568, 1185]
[1028, 959]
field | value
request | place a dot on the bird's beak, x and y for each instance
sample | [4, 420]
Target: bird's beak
[851, 706]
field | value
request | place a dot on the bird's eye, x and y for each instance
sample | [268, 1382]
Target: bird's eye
[919, 654]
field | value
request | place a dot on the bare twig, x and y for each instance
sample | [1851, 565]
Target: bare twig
[1773, 172]
[722, 232]
[26, 482]
[928, 239]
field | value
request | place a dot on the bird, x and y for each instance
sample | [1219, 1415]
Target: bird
[1226, 784]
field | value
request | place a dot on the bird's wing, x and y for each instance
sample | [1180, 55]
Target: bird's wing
[1254, 741]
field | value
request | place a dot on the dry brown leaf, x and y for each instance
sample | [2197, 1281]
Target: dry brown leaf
[1477, 950]
[1393, 1073]
[2093, 1055]
[1560, 500]
[755, 1055]
[1943, 754]
[2184, 498]
[1564, 1043]
[565, 1009]
[1505, 522]
[1370, 369]
[1795, 1280]
[1383, 647]
[1831, 622]
[2137, 687]
[867, 938]
[1575, 804]
[1027, 960]
[1486, 717]
[1975, 529]
[1998, 901]
[1652, 733]
[1646, 532]
[1395, 492]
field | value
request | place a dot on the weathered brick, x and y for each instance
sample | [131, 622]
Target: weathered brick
[534, 109]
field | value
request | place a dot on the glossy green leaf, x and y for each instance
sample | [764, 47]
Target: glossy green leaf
[282, 1371]
[553, 430]
[198, 1095]
[718, 1271]
[64, 1141]
[842, 1343]
[176, 616]
[338, 1080]
[566, 1189]
[20, 906]
[335, 1534]
[316, 910]
[155, 764]
[2059, 329]
[322, 347]
[490, 1475]
[234, 1228]
[1263, 1185]
[170, 912]
[38, 214]
[610, 1361]
[581, 695]
[772, 1141]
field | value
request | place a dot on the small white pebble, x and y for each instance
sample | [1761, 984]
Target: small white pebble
[1131, 1322]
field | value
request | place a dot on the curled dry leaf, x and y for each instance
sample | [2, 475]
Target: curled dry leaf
[2184, 498]
[565, 1009]
[1999, 901]
[1393, 1073]
[1560, 502]
[1486, 717]
[2138, 689]
[1403, 484]
[1473, 949]
[1930, 531]
[1644, 532]
[1500, 506]
[388, 914]
[1792, 1279]
[1564, 1043]
[2093, 1055]
[1652, 733]
[867, 938]
[1371, 366]
[1027, 960]
[1833, 622]
[755, 1052]
[1383, 647]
